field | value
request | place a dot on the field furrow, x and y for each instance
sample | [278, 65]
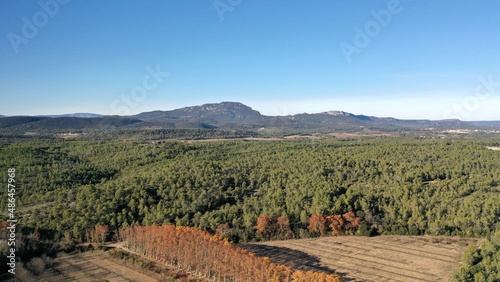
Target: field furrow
[393, 269]
[382, 258]
[447, 253]
[92, 266]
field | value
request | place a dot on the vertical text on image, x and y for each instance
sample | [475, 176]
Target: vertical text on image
[12, 221]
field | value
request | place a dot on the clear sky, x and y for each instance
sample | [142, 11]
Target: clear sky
[406, 59]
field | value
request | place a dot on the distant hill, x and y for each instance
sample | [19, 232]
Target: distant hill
[231, 116]
[492, 124]
[78, 115]
[48, 124]
[220, 112]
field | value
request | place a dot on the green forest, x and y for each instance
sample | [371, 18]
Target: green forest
[403, 186]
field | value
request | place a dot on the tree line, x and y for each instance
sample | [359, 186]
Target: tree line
[209, 256]
[279, 228]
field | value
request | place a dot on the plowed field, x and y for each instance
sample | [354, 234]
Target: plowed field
[91, 266]
[382, 258]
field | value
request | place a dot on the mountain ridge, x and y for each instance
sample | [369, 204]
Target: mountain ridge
[233, 116]
[230, 104]
[77, 115]
[223, 111]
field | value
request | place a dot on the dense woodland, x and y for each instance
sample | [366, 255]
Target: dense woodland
[371, 186]
[482, 264]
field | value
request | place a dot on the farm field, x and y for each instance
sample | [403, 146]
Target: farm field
[382, 258]
[91, 266]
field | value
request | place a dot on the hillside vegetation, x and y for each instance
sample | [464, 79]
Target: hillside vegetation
[394, 186]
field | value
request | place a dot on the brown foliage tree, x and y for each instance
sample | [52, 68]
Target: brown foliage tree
[283, 228]
[307, 276]
[265, 226]
[317, 224]
[352, 221]
[97, 234]
[336, 223]
[205, 255]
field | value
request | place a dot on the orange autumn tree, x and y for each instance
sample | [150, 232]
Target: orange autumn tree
[352, 221]
[317, 224]
[308, 276]
[205, 255]
[273, 227]
[283, 229]
[337, 224]
[97, 234]
[265, 226]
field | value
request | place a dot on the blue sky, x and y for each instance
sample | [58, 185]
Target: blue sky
[406, 59]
